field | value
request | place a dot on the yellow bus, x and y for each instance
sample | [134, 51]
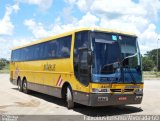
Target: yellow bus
[90, 66]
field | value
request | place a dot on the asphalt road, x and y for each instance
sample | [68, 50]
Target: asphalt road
[13, 102]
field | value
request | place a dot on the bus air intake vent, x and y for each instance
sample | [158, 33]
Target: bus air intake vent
[128, 90]
[115, 90]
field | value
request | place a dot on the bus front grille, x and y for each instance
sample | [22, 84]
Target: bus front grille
[128, 90]
[121, 90]
[115, 90]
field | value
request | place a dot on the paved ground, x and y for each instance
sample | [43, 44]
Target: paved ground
[17, 103]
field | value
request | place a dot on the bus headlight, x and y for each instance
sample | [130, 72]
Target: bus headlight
[97, 90]
[139, 91]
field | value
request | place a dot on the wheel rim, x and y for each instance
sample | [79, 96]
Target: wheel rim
[69, 99]
[25, 86]
[68, 95]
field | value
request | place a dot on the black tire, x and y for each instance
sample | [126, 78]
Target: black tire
[19, 84]
[69, 98]
[24, 86]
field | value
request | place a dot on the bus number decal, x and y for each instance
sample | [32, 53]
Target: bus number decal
[49, 67]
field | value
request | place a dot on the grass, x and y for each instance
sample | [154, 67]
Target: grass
[151, 75]
[5, 69]
[158, 74]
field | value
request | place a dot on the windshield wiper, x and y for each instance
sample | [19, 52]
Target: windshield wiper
[128, 68]
[129, 57]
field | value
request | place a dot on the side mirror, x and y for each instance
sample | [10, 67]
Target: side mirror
[82, 49]
[90, 55]
[89, 58]
[83, 55]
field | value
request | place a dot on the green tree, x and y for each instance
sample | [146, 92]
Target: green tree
[153, 55]
[147, 63]
[3, 63]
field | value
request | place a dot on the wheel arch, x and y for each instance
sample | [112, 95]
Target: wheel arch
[64, 89]
[24, 78]
[18, 79]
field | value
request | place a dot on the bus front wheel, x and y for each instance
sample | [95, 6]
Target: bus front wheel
[69, 97]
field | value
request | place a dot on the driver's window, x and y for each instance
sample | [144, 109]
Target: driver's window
[83, 67]
[80, 56]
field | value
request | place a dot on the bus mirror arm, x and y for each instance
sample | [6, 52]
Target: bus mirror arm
[89, 57]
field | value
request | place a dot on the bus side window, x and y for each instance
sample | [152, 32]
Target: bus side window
[64, 47]
[52, 49]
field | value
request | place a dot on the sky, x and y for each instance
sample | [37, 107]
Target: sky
[24, 21]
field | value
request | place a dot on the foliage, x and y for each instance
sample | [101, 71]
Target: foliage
[3, 63]
[153, 55]
[148, 64]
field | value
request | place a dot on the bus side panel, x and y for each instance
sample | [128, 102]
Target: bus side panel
[46, 80]
[15, 72]
[13, 79]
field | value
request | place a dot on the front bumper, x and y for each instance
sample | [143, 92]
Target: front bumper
[100, 99]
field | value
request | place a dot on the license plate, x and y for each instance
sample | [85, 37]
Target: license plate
[102, 98]
[122, 98]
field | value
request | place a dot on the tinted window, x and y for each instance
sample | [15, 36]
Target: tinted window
[80, 57]
[81, 40]
[59, 48]
[51, 49]
[64, 47]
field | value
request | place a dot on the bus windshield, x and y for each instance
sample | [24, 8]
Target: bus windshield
[116, 58]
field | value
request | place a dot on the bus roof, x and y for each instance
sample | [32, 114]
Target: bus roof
[70, 32]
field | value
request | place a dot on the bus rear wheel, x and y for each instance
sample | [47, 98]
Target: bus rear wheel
[69, 98]
[24, 86]
[19, 85]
